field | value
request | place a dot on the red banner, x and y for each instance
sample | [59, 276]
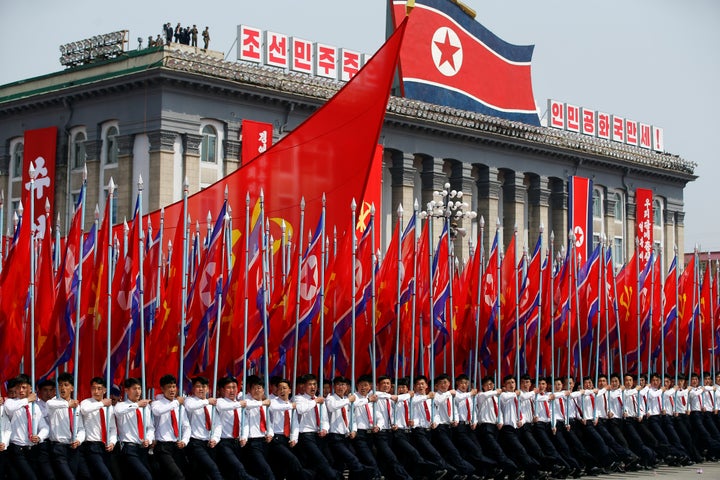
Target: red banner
[644, 220]
[40, 147]
[256, 139]
[580, 210]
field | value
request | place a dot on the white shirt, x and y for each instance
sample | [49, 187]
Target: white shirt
[384, 411]
[654, 401]
[695, 399]
[527, 406]
[588, 404]
[487, 407]
[444, 411]
[4, 427]
[631, 402]
[162, 409]
[308, 412]
[616, 403]
[254, 411]
[421, 411]
[229, 418]
[17, 415]
[363, 413]
[681, 401]
[126, 415]
[338, 414]
[560, 406]
[402, 411]
[543, 407]
[90, 411]
[278, 407]
[201, 416]
[509, 406]
[59, 421]
[464, 406]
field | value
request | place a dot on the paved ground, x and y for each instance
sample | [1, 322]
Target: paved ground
[705, 471]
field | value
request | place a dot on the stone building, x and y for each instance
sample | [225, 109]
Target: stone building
[172, 112]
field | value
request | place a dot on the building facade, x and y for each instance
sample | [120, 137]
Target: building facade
[174, 112]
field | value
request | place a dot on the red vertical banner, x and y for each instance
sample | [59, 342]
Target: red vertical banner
[256, 139]
[372, 197]
[644, 219]
[40, 147]
[580, 211]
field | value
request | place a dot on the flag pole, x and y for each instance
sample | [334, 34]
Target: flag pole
[451, 317]
[498, 367]
[539, 307]
[415, 240]
[605, 293]
[245, 287]
[219, 296]
[517, 309]
[108, 340]
[662, 316]
[551, 294]
[373, 356]
[431, 298]
[321, 340]
[141, 286]
[31, 218]
[76, 357]
[353, 349]
[650, 318]
[478, 292]
[637, 305]
[265, 276]
[2, 219]
[677, 316]
[602, 311]
[399, 229]
[575, 270]
[297, 292]
[183, 302]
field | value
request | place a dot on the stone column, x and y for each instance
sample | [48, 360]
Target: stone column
[402, 170]
[488, 187]
[162, 168]
[191, 150]
[433, 179]
[609, 220]
[461, 179]
[680, 232]
[669, 244]
[124, 195]
[514, 208]
[630, 227]
[232, 155]
[538, 210]
[559, 202]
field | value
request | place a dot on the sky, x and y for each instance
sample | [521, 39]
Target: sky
[654, 61]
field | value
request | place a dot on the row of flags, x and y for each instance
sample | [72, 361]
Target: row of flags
[234, 300]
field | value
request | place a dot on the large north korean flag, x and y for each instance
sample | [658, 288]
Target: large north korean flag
[450, 59]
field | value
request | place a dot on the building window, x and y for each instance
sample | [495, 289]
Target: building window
[597, 204]
[618, 251]
[619, 209]
[208, 148]
[596, 240]
[17, 161]
[657, 213]
[78, 150]
[111, 146]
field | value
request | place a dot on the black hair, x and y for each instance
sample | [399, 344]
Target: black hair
[167, 380]
[131, 382]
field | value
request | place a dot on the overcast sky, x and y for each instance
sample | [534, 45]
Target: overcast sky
[654, 61]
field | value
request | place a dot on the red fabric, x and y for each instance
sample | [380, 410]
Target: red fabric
[103, 425]
[263, 422]
[208, 419]
[286, 423]
[174, 422]
[29, 422]
[236, 424]
[140, 426]
[71, 419]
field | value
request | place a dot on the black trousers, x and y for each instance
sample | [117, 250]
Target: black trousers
[635, 442]
[513, 447]
[97, 460]
[136, 458]
[561, 446]
[409, 455]
[256, 453]
[389, 463]
[469, 447]
[420, 439]
[487, 435]
[284, 462]
[228, 459]
[442, 439]
[22, 459]
[577, 449]
[309, 444]
[65, 459]
[202, 458]
[543, 433]
[344, 457]
[594, 443]
[664, 448]
[170, 460]
[702, 437]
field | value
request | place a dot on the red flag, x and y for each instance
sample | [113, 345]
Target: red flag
[256, 139]
[451, 59]
[644, 219]
[45, 298]
[670, 315]
[40, 147]
[304, 164]
[488, 308]
[687, 299]
[580, 213]
[705, 334]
